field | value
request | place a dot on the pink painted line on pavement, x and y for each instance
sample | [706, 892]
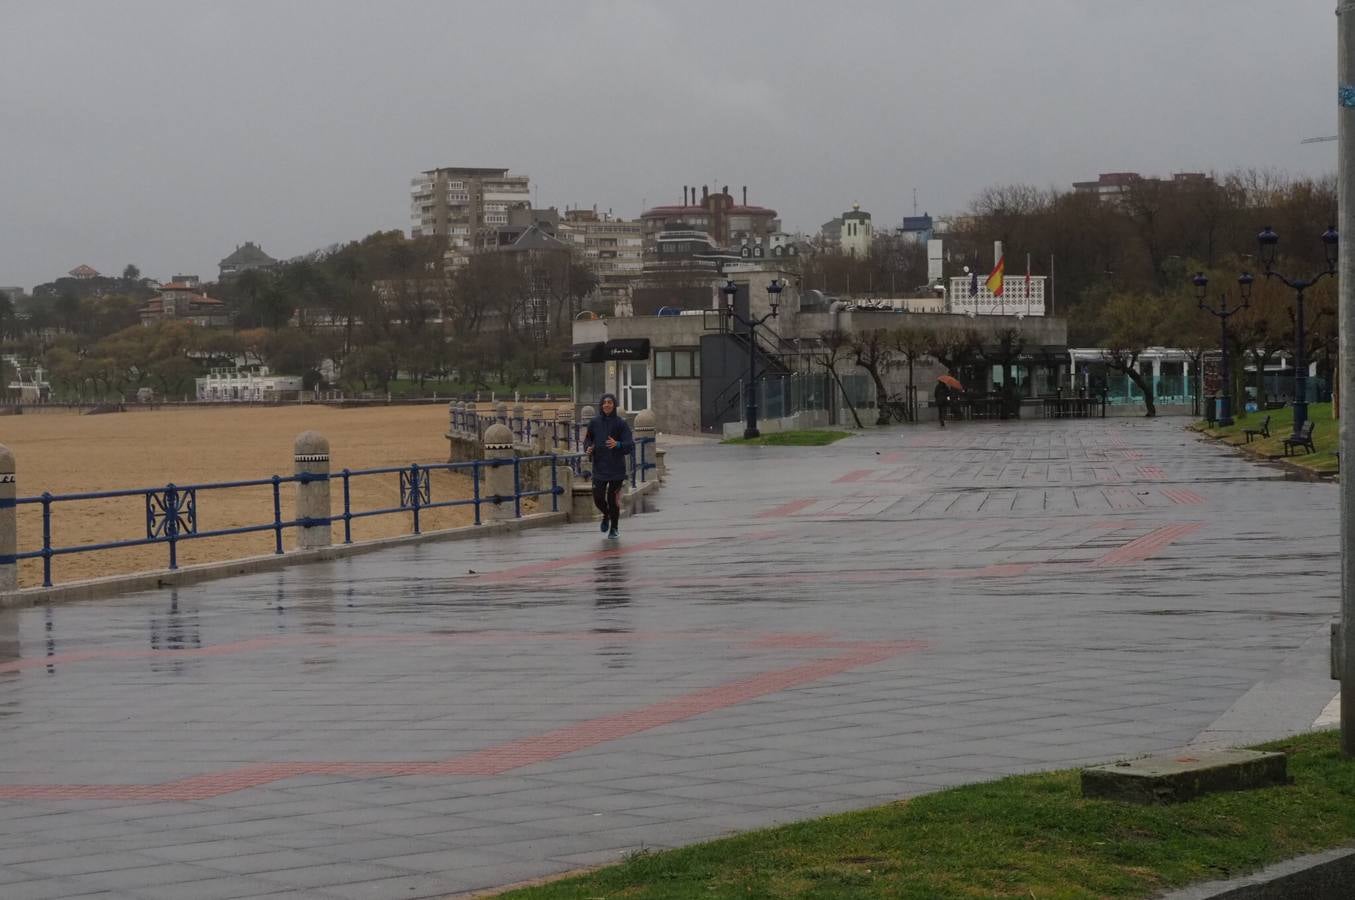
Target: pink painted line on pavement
[787, 509]
[854, 475]
[494, 760]
[1142, 548]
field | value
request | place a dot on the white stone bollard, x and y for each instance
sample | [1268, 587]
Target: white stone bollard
[311, 461]
[564, 431]
[536, 429]
[9, 522]
[497, 481]
[518, 424]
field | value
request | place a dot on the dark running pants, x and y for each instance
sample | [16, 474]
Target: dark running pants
[607, 498]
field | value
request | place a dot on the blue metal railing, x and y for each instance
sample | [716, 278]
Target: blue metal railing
[172, 510]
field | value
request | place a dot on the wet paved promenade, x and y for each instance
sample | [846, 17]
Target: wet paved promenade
[793, 631]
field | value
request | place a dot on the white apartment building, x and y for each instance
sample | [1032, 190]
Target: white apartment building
[611, 246]
[465, 205]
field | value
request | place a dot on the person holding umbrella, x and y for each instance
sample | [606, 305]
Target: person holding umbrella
[941, 396]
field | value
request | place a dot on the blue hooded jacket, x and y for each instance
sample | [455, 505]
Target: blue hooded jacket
[609, 463]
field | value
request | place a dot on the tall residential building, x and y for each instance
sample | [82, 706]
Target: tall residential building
[611, 247]
[1111, 186]
[465, 205]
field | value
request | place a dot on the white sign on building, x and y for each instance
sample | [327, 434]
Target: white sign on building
[968, 296]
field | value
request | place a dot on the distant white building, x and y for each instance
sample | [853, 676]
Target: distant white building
[248, 383]
[30, 383]
[851, 233]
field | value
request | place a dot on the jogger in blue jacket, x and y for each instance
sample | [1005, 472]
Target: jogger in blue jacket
[608, 442]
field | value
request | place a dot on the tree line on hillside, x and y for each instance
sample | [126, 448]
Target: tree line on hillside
[386, 306]
[370, 311]
[1121, 265]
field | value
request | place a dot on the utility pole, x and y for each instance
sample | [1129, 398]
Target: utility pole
[1345, 115]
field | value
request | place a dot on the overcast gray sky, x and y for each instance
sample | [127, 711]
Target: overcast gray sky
[166, 133]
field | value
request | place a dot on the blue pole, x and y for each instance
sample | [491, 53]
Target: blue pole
[554, 487]
[46, 539]
[277, 515]
[347, 512]
[414, 493]
[475, 482]
[517, 489]
[172, 524]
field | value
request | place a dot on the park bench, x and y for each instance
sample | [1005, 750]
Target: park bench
[1263, 431]
[1301, 438]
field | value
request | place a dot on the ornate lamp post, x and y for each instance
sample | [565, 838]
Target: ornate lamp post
[1269, 242]
[774, 289]
[1244, 283]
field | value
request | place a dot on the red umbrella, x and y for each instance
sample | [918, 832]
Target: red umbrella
[950, 381]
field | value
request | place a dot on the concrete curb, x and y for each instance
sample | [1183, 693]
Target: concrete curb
[1318, 876]
[100, 588]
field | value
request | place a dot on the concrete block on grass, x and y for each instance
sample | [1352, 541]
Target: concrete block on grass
[1172, 779]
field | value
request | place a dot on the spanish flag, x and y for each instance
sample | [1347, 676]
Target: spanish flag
[994, 282]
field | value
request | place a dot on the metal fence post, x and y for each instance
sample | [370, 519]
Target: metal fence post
[277, 515]
[172, 524]
[475, 486]
[347, 510]
[646, 427]
[311, 462]
[415, 494]
[46, 539]
[9, 522]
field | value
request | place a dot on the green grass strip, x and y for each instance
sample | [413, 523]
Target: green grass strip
[1025, 836]
[792, 439]
[1325, 435]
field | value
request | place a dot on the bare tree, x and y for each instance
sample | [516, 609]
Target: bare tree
[911, 344]
[873, 352]
[834, 348]
[1131, 323]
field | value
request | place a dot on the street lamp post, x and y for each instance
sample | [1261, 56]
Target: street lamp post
[1269, 242]
[774, 296]
[1244, 283]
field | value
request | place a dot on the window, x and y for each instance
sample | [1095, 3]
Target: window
[677, 364]
[635, 386]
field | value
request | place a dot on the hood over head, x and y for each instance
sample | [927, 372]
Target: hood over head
[608, 396]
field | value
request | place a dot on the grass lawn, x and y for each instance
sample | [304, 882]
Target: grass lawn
[1026, 836]
[1325, 434]
[792, 439]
